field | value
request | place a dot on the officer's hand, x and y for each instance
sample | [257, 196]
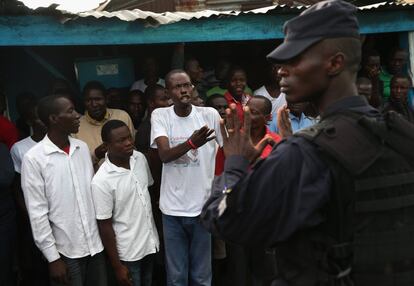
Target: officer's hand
[58, 272]
[101, 150]
[202, 136]
[283, 122]
[236, 140]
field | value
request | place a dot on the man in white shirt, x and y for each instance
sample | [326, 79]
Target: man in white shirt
[56, 181]
[123, 207]
[271, 90]
[150, 70]
[183, 135]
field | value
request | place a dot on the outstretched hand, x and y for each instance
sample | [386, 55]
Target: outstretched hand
[237, 140]
[202, 136]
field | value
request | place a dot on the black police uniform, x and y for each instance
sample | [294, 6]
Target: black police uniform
[337, 204]
[335, 200]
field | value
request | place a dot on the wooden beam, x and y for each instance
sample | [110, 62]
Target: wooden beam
[47, 30]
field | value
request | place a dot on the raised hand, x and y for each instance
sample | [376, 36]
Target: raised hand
[236, 140]
[283, 122]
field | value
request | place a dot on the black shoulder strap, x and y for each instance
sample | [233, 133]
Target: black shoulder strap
[395, 131]
[342, 137]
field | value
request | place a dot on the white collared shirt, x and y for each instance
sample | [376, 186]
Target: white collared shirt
[57, 191]
[122, 195]
[18, 150]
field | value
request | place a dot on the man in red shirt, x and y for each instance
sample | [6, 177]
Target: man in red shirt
[8, 132]
[261, 113]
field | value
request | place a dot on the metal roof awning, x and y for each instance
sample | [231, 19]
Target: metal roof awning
[143, 27]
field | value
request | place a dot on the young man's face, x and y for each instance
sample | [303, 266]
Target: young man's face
[220, 104]
[400, 88]
[121, 143]
[95, 104]
[397, 62]
[67, 119]
[257, 114]
[136, 108]
[237, 83]
[195, 71]
[161, 99]
[304, 77]
[373, 66]
[180, 89]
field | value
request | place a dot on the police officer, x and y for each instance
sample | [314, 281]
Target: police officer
[336, 200]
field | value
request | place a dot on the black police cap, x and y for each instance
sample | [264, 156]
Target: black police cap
[323, 20]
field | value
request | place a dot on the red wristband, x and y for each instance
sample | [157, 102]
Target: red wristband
[192, 145]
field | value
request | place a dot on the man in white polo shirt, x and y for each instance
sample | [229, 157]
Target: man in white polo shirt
[123, 207]
[56, 181]
[183, 134]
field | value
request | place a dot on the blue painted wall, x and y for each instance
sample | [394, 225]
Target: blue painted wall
[48, 30]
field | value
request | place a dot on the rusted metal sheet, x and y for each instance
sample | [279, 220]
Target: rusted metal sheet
[190, 5]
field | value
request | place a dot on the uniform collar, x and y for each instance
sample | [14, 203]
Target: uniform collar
[50, 147]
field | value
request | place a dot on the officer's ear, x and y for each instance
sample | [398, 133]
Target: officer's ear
[336, 64]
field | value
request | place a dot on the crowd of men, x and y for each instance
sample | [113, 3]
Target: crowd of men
[114, 196]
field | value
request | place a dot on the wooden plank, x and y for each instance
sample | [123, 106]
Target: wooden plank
[47, 30]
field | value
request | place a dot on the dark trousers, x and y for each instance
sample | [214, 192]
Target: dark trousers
[86, 271]
[141, 270]
[33, 268]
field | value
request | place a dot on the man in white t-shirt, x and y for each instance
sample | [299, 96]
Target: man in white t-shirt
[271, 90]
[183, 135]
[123, 207]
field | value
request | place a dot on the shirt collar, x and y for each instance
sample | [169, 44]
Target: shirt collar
[245, 98]
[112, 168]
[293, 116]
[50, 147]
[96, 122]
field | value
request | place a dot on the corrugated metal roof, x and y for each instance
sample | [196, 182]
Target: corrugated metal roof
[69, 6]
[384, 5]
[155, 19]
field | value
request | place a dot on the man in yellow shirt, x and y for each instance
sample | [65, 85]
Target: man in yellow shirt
[96, 115]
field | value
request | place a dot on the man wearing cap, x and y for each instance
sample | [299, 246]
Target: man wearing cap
[334, 200]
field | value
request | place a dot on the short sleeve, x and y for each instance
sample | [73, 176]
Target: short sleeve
[158, 127]
[17, 161]
[219, 136]
[103, 200]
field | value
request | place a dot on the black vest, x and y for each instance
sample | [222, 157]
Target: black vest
[368, 237]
